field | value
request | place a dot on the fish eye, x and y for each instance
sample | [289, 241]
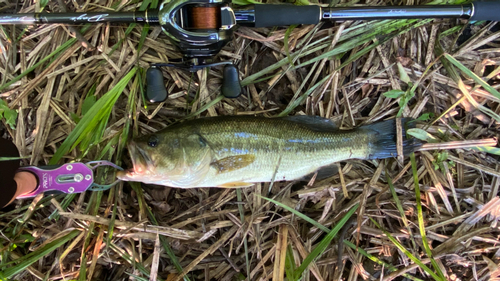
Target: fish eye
[153, 141]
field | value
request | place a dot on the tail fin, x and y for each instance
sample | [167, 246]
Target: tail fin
[385, 140]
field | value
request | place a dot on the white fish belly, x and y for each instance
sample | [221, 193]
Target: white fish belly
[284, 167]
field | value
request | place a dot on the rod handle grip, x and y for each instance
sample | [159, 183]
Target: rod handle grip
[486, 10]
[268, 15]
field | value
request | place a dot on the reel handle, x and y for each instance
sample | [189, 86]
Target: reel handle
[231, 86]
[156, 91]
[155, 88]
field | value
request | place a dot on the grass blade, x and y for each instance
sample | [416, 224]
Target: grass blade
[407, 253]
[163, 240]
[242, 218]
[324, 242]
[454, 75]
[472, 75]
[291, 106]
[54, 55]
[421, 223]
[375, 259]
[123, 254]
[297, 213]
[287, 48]
[400, 207]
[492, 150]
[97, 114]
[33, 257]
[320, 249]
[290, 264]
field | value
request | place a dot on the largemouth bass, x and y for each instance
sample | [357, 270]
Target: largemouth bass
[238, 151]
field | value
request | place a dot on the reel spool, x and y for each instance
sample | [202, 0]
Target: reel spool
[205, 18]
[199, 29]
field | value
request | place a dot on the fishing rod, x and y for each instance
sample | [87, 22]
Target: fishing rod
[201, 28]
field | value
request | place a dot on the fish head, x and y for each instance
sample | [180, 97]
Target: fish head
[151, 156]
[176, 160]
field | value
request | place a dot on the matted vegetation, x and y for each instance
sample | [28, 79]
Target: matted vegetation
[78, 91]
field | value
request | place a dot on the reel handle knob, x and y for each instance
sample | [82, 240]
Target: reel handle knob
[155, 89]
[231, 86]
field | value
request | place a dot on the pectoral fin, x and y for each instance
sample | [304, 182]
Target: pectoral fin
[235, 184]
[232, 163]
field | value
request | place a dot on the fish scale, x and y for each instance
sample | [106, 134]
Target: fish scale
[240, 150]
[299, 154]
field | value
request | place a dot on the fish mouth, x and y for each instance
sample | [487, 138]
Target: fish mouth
[141, 163]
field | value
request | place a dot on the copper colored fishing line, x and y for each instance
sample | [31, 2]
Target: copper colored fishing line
[205, 17]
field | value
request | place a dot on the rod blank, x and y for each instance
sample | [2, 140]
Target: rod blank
[265, 15]
[397, 12]
[73, 18]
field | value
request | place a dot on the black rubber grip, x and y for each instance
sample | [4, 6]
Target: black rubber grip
[267, 15]
[486, 10]
[231, 87]
[155, 88]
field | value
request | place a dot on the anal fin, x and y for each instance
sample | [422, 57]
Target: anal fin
[323, 173]
[236, 184]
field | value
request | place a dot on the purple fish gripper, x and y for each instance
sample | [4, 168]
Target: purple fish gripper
[68, 178]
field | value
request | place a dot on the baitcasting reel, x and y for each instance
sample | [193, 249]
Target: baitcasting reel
[201, 28]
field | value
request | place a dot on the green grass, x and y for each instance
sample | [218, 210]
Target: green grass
[449, 64]
[472, 75]
[491, 150]
[380, 32]
[86, 141]
[421, 224]
[408, 254]
[10, 115]
[93, 123]
[399, 205]
[290, 269]
[12, 268]
[242, 219]
[163, 240]
[54, 55]
[325, 242]
[322, 246]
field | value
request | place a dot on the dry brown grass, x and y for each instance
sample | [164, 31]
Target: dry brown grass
[208, 229]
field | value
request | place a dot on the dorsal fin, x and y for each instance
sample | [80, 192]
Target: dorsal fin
[315, 123]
